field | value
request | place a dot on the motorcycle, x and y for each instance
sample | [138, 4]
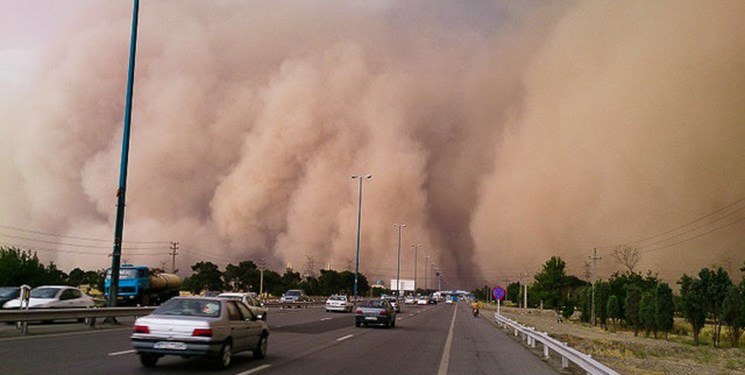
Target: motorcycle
[475, 313]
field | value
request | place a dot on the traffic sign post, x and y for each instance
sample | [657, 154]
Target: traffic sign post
[498, 292]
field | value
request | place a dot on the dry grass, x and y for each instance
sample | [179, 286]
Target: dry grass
[627, 354]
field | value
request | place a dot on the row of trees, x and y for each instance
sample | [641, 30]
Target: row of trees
[18, 267]
[642, 302]
[246, 276]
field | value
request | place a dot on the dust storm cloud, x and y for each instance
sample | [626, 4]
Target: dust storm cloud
[500, 133]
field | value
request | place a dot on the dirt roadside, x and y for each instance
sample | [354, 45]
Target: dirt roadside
[627, 354]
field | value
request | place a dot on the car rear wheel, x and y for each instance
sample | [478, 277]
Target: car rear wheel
[225, 356]
[148, 360]
[260, 351]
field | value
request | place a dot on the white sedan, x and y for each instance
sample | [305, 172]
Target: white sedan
[338, 303]
[54, 296]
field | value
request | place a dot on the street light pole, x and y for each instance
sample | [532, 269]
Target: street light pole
[416, 247]
[426, 262]
[359, 226]
[398, 263]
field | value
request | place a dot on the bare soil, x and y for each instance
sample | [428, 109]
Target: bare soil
[627, 354]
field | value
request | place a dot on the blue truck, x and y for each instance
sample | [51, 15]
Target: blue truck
[140, 285]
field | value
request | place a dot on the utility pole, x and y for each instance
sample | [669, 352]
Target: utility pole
[425, 271]
[116, 253]
[398, 263]
[174, 247]
[524, 276]
[262, 266]
[416, 247]
[594, 259]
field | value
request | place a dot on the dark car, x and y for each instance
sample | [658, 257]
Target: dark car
[8, 293]
[375, 311]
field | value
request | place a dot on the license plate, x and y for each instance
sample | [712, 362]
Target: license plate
[370, 318]
[170, 345]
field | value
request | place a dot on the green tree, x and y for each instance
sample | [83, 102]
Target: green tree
[602, 293]
[585, 302]
[614, 310]
[18, 267]
[715, 285]
[550, 282]
[692, 304]
[514, 292]
[206, 277]
[245, 276]
[647, 313]
[733, 314]
[632, 304]
[664, 309]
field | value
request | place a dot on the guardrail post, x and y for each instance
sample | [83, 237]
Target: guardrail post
[545, 351]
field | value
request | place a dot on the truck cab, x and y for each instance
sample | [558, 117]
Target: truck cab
[133, 281]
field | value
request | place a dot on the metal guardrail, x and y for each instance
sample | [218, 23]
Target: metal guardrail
[26, 315]
[567, 353]
[303, 304]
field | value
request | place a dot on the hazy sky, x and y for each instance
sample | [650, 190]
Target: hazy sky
[500, 132]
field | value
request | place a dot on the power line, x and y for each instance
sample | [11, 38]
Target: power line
[75, 237]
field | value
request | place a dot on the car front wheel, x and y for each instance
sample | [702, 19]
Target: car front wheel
[260, 351]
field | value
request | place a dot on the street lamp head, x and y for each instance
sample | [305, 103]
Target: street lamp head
[369, 176]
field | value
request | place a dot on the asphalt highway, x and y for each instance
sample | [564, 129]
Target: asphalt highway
[435, 339]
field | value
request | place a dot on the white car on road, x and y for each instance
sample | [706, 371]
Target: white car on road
[54, 296]
[339, 303]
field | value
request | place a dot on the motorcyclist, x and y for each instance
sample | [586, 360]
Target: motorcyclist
[475, 306]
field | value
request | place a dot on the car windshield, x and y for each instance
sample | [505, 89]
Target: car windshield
[190, 307]
[293, 293]
[44, 292]
[338, 298]
[373, 303]
[9, 292]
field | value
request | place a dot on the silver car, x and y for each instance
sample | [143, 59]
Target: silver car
[199, 327]
[257, 307]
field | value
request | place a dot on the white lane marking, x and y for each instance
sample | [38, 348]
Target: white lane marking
[254, 370]
[326, 319]
[445, 362]
[122, 352]
[344, 338]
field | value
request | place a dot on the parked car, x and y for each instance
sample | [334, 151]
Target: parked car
[257, 307]
[54, 296]
[409, 300]
[339, 303]
[8, 293]
[375, 311]
[394, 302]
[294, 295]
[209, 327]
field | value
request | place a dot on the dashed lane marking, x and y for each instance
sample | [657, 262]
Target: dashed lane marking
[131, 351]
[253, 370]
[344, 338]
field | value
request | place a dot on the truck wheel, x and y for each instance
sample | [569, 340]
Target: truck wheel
[148, 360]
